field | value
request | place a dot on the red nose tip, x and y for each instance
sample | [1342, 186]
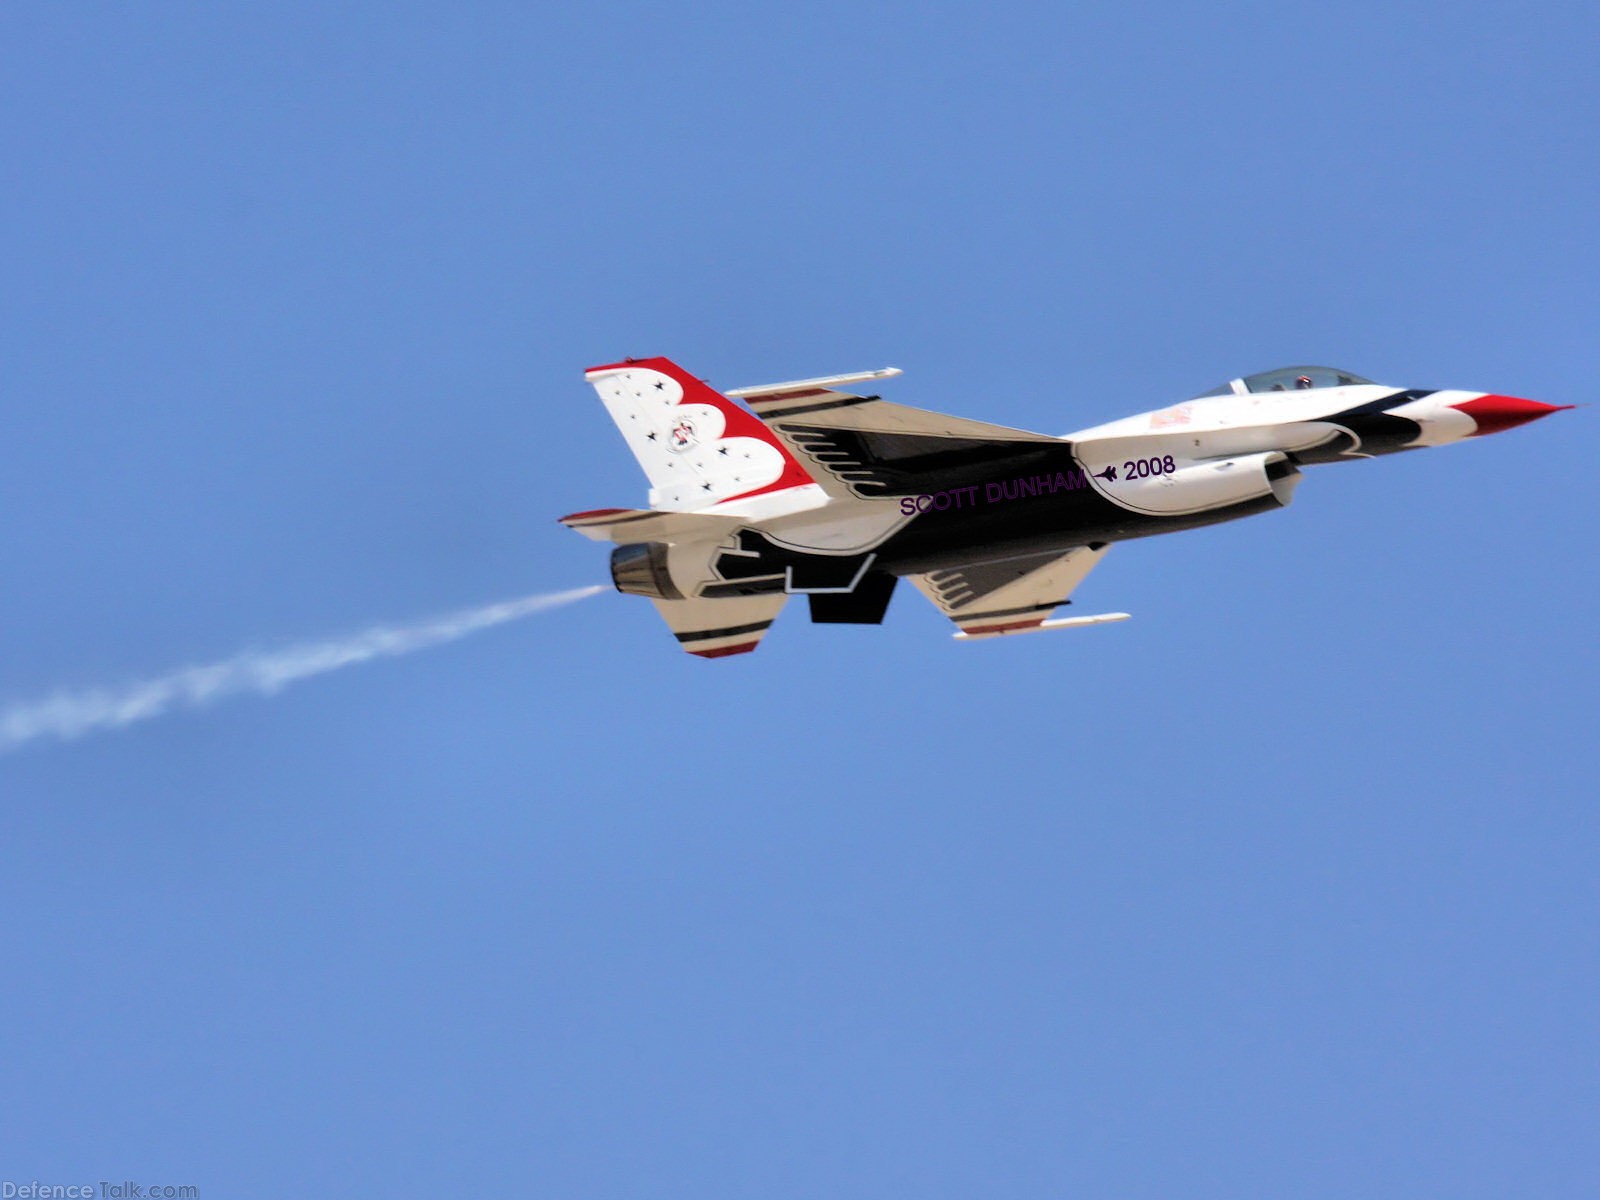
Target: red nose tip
[1494, 413]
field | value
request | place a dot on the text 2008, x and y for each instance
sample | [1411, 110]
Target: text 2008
[1144, 468]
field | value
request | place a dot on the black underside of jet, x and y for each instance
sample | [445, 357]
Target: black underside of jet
[1028, 517]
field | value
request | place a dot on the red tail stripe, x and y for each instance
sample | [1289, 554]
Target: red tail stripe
[724, 651]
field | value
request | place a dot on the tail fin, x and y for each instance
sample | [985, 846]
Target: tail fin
[697, 447]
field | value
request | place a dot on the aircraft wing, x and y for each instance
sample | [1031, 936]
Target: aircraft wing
[869, 464]
[864, 447]
[1012, 596]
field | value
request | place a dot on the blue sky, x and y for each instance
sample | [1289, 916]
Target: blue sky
[1284, 887]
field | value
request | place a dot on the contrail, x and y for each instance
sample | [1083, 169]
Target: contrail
[71, 714]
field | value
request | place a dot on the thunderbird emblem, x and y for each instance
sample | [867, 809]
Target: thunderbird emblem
[681, 436]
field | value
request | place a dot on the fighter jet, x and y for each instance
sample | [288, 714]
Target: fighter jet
[820, 492]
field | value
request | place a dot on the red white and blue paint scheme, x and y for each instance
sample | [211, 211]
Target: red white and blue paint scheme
[817, 491]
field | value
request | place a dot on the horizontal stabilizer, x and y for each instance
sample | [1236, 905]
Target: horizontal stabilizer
[624, 525]
[720, 628]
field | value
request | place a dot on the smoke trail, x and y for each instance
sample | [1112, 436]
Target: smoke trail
[71, 714]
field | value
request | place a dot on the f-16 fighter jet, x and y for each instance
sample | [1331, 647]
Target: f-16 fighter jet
[819, 492]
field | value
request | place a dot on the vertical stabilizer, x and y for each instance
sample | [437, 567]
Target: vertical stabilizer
[698, 448]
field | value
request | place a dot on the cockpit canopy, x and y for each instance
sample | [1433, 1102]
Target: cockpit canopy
[1286, 379]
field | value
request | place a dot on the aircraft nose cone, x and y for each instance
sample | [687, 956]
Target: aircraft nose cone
[1494, 413]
